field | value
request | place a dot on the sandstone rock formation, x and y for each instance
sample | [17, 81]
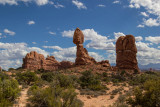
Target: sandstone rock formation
[35, 61]
[51, 63]
[126, 52]
[66, 64]
[82, 56]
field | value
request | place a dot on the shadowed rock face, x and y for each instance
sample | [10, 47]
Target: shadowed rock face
[82, 56]
[126, 52]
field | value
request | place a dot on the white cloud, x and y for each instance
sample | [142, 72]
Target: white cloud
[118, 34]
[53, 47]
[52, 33]
[10, 2]
[16, 2]
[151, 22]
[144, 14]
[79, 4]
[31, 22]
[116, 2]
[141, 26]
[151, 7]
[34, 43]
[68, 33]
[0, 34]
[12, 53]
[9, 32]
[101, 5]
[58, 5]
[146, 54]
[96, 56]
[139, 38]
[152, 39]
[41, 2]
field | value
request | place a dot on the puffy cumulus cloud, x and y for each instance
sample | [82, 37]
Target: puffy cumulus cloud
[139, 38]
[9, 32]
[65, 53]
[152, 39]
[147, 54]
[0, 34]
[79, 4]
[31, 22]
[11, 54]
[151, 7]
[101, 5]
[16, 2]
[151, 22]
[140, 26]
[96, 56]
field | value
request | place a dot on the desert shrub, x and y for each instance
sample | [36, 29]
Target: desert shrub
[117, 78]
[149, 97]
[65, 81]
[88, 80]
[54, 97]
[4, 76]
[11, 69]
[26, 77]
[9, 90]
[48, 76]
[141, 79]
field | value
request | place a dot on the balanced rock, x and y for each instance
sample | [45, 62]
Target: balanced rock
[82, 56]
[126, 52]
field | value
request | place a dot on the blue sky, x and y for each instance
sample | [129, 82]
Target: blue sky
[47, 27]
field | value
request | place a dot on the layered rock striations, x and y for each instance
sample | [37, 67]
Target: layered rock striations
[82, 56]
[126, 52]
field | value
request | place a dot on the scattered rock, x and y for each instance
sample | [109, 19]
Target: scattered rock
[82, 56]
[126, 52]
[105, 63]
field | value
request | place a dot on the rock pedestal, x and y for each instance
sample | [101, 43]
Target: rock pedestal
[126, 52]
[82, 56]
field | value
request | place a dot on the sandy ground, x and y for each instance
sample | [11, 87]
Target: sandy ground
[22, 100]
[100, 101]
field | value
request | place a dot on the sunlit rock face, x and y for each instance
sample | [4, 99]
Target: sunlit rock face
[82, 56]
[126, 52]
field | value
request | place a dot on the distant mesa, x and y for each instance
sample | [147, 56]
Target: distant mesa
[82, 56]
[125, 56]
[126, 52]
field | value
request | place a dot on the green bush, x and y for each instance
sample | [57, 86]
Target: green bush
[26, 77]
[9, 90]
[49, 76]
[149, 97]
[55, 97]
[91, 81]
